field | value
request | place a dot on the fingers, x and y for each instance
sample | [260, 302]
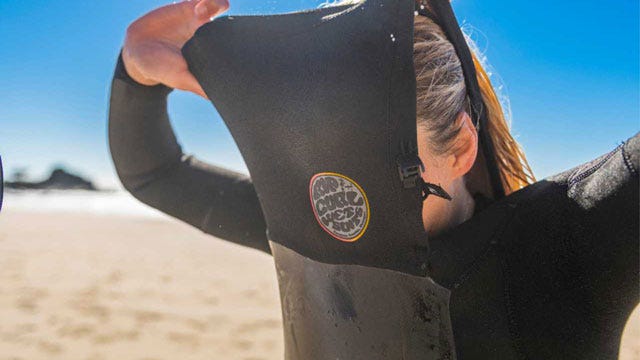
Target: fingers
[187, 82]
[206, 9]
[132, 69]
[155, 40]
[165, 64]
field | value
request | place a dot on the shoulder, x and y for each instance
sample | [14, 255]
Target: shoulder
[594, 203]
[570, 253]
[589, 185]
[586, 216]
[594, 182]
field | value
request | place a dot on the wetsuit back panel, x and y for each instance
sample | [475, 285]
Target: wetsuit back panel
[322, 107]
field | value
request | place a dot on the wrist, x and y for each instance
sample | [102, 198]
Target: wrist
[122, 73]
[133, 71]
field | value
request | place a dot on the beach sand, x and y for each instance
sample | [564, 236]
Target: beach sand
[84, 287]
[107, 287]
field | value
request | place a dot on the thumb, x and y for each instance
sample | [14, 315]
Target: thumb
[185, 80]
[206, 9]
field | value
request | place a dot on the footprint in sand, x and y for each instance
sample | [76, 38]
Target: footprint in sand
[197, 325]
[144, 317]
[76, 331]
[258, 325]
[21, 333]
[93, 310]
[242, 344]
[28, 299]
[116, 336]
[184, 338]
[91, 292]
[50, 348]
[86, 302]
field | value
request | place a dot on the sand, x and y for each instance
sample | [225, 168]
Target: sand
[96, 287]
[83, 287]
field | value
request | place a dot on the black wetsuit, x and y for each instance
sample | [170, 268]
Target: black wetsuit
[551, 272]
[151, 166]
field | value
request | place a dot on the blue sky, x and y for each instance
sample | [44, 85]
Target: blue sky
[569, 68]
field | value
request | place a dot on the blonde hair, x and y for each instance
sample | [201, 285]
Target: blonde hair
[442, 95]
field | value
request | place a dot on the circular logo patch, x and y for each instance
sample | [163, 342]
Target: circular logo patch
[340, 206]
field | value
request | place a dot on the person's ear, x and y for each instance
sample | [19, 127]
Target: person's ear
[465, 149]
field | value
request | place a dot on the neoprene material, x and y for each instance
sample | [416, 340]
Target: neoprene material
[360, 313]
[151, 165]
[549, 272]
[330, 91]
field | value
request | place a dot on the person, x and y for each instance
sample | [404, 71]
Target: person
[569, 301]
[448, 142]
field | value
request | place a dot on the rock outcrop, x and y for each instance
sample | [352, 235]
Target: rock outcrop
[58, 180]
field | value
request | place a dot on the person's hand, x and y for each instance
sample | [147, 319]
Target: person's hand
[152, 48]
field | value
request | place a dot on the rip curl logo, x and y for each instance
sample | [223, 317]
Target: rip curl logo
[340, 206]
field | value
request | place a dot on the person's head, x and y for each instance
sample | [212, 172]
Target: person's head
[447, 137]
[448, 142]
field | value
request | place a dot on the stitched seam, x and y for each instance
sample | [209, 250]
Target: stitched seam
[475, 265]
[627, 162]
[583, 173]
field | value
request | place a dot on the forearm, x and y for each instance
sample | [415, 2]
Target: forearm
[141, 139]
[151, 165]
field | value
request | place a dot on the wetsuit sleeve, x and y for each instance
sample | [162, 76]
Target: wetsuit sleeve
[152, 167]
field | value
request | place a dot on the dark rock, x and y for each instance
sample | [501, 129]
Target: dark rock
[58, 180]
